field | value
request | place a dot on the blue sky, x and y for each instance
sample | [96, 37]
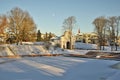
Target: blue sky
[50, 14]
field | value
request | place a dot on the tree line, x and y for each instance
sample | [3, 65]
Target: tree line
[44, 37]
[19, 26]
[107, 30]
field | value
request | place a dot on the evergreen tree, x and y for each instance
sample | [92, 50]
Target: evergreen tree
[50, 36]
[39, 36]
[46, 36]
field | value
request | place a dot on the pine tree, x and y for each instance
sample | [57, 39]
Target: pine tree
[50, 36]
[39, 36]
[46, 36]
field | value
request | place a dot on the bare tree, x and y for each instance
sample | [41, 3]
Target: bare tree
[113, 25]
[21, 24]
[69, 24]
[3, 23]
[117, 30]
[100, 24]
[28, 29]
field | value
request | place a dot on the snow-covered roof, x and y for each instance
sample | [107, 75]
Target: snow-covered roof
[56, 38]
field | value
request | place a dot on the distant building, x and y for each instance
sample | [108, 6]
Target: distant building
[79, 37]
[87, 37]
[55, 40]
[65, 40]
[91, 38]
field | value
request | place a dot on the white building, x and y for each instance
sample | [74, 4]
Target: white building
[65, 40]
[55, 40]
[87, 38]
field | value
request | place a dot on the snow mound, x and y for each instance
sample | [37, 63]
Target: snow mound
[5, 51]
[116, 66]
[32, 43]
[28, 49]
[27, 43]
[79, 45]
[38, 43]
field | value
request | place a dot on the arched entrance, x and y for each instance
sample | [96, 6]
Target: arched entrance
[84, 41]
[68, 45]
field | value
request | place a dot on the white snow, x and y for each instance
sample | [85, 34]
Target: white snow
[4, 51]
[85, 46]
[55, 68]
[58, 68]
[28, 49]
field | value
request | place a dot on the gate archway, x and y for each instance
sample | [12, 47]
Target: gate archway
[68, 45]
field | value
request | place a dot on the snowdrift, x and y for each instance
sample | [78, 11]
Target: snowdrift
[28, 49]
[85, 46]
[5, 51]
[116, 66]
[38, 48]
[16, 50]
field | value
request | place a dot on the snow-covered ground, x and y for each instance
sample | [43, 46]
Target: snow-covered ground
[85, 46]
[29, 48]
[55, 68]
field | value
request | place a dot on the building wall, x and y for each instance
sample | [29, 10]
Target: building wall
[87, 38]
[65, 40]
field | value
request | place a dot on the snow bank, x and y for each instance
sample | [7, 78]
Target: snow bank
[5, 51]
[27, 43]
[33, 43]
[28, 49]
[116, 66]
[79, 45]
[39, 43]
